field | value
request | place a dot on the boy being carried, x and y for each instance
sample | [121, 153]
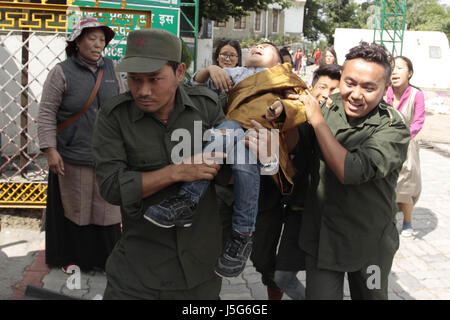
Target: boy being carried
[251, 89]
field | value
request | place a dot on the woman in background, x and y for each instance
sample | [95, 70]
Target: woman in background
[228, 54]
[81, 228]
[298, 60]
[410, 101]
[328, 57]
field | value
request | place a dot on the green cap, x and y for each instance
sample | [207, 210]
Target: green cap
[148, 50]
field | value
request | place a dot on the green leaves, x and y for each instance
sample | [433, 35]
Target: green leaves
[322, 17]
[428, 15]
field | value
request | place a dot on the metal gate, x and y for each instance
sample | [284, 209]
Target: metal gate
[32, 42]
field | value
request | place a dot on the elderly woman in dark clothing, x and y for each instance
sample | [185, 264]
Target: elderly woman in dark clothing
[81, 228]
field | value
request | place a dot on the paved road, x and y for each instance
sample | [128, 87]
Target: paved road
[421, 268]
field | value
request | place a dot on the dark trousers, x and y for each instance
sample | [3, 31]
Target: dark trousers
[290, 257]
[324, 284]
[208, 290]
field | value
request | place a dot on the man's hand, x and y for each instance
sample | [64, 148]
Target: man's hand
[202, 166]
[312, 106]
[313, 110]
[258, 138]
[274, 111]
[220, 78]
[55, 162]
[290, 94]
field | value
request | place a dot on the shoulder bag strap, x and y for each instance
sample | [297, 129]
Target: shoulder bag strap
[87, 105]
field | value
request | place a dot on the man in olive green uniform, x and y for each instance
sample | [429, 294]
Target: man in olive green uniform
[132, 148]
[359, 146]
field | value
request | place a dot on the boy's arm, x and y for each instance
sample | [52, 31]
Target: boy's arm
[293, 113]
[219, 76]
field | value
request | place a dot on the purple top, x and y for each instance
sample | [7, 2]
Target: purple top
[419, 110]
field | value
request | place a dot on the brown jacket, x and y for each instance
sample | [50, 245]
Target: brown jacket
[249, 100]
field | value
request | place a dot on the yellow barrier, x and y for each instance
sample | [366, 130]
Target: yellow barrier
[23, 195]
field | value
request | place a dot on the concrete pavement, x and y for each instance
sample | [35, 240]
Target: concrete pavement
[421, 268]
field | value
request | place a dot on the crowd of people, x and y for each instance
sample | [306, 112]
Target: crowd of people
[323, 200]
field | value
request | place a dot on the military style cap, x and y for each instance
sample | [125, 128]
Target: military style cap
[148, 50]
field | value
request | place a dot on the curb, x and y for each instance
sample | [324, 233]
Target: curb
[33, 275]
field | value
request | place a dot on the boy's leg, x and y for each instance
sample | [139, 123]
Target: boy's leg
[221, 141]
[179, 210]
[246, 192]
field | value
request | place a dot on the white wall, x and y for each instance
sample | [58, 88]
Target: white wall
[429, 72]
[204, 53]
[293, 18]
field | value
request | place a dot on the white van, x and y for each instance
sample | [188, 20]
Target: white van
[428, 50]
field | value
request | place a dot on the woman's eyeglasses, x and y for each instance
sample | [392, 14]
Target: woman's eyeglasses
[228, 56]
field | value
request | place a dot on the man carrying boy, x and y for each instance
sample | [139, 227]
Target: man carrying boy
[358, 146]
[132, 147]
[290, 258]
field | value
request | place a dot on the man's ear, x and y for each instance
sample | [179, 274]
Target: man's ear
[388, 84]
[181, 69]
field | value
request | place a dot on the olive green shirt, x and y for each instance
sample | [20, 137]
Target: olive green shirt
[344, 224]
[126, 143]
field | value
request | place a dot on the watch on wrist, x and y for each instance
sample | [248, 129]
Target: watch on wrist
[271, 164]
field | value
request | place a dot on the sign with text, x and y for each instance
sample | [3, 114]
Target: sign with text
[163, 17]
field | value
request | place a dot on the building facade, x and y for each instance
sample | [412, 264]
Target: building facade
[268, 24]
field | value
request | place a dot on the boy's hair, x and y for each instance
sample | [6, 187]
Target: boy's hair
[333, 71]
[280, 58]
[372, 52]
[234, 43]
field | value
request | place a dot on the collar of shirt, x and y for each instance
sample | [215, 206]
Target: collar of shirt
[403, 99]
[182, 100]
[372, 118]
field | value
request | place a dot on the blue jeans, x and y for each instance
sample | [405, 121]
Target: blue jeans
[245, 173]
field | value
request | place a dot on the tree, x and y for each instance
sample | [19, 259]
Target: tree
[324, 16]
[313, 25]
[222, 10]
[428, 15]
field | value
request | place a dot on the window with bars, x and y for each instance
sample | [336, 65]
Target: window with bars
[275, 18]
[258, 22]
[240, 23]
[219, 24]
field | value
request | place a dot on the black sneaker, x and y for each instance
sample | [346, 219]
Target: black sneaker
[237, 250]
[175, 211]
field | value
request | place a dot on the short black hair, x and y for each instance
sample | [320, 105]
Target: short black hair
[285, 52]
[333, 71]
[372, 52]
[174, 65]
[222, 43]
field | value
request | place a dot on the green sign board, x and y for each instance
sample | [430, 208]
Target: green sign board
[164, 16]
